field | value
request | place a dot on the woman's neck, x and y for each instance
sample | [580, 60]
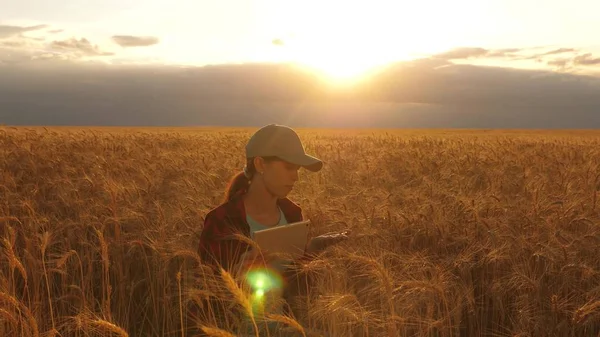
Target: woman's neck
[259, 199]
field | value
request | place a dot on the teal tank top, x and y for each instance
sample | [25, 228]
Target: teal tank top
[276, 266]
[256, 226]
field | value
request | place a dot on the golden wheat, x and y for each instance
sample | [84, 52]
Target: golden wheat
[454, 232]
[287, 321]
[216, 332]
[23, 310]
[108, 327]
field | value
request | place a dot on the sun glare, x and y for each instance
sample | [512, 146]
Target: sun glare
[343, 62]
[340, 68]
[343, 41]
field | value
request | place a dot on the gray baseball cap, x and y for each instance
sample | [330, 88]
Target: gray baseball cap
[282, 142]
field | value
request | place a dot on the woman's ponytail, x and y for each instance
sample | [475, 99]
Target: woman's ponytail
[242, 180]
[237, 183]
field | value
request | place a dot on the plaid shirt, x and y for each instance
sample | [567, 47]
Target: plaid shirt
[218, 246]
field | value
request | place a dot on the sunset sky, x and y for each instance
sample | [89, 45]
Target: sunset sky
[340, 38]
[330, 63]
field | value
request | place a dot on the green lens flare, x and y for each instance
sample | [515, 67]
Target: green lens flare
[263, 279]
[261, 282]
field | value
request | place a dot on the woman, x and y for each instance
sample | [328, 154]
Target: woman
[256, 199]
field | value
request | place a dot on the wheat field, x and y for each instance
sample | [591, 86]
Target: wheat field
[455, 232]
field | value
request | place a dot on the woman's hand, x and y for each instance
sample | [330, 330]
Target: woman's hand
[320, 243]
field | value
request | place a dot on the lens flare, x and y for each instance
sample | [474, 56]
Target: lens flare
[263, 282]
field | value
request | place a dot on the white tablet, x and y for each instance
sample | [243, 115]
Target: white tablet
[286, 239]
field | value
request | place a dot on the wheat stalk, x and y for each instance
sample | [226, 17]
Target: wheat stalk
[288, 321]
[14, 262]
[587, 310]
[43, 246]
[216, 332]
[178, 277]
[33, 326]
[239, 296]
[106, 326]
[106, 287]
[7, 316]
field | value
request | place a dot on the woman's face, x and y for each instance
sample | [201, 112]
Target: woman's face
[278, 176]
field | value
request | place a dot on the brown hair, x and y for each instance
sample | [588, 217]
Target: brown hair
[240, 181]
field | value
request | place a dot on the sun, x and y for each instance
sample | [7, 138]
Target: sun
[340, 66]
[342, 41]
[345, 62]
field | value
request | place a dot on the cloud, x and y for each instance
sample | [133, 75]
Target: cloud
[81, 47]
[559, 63]
[575, 63]
[28, 58]
[41, 51]
[13, 43]
[135, 41]
[560, 51]
[420, 93]
[462, 53]
[477, 52]
[516, 54]
[277, 42]
[8, 31]
[16, 47]
[507, 52]
[586, 60]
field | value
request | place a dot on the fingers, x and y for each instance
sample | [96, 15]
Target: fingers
[345, 232]
[323, 241]
[338, 237]
[331, 234]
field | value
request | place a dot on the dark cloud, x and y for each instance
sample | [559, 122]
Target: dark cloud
[422, 93]
[81, 47]
[135, 41]
[8, 31]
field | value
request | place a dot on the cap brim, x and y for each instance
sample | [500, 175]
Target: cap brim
[308, 162]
